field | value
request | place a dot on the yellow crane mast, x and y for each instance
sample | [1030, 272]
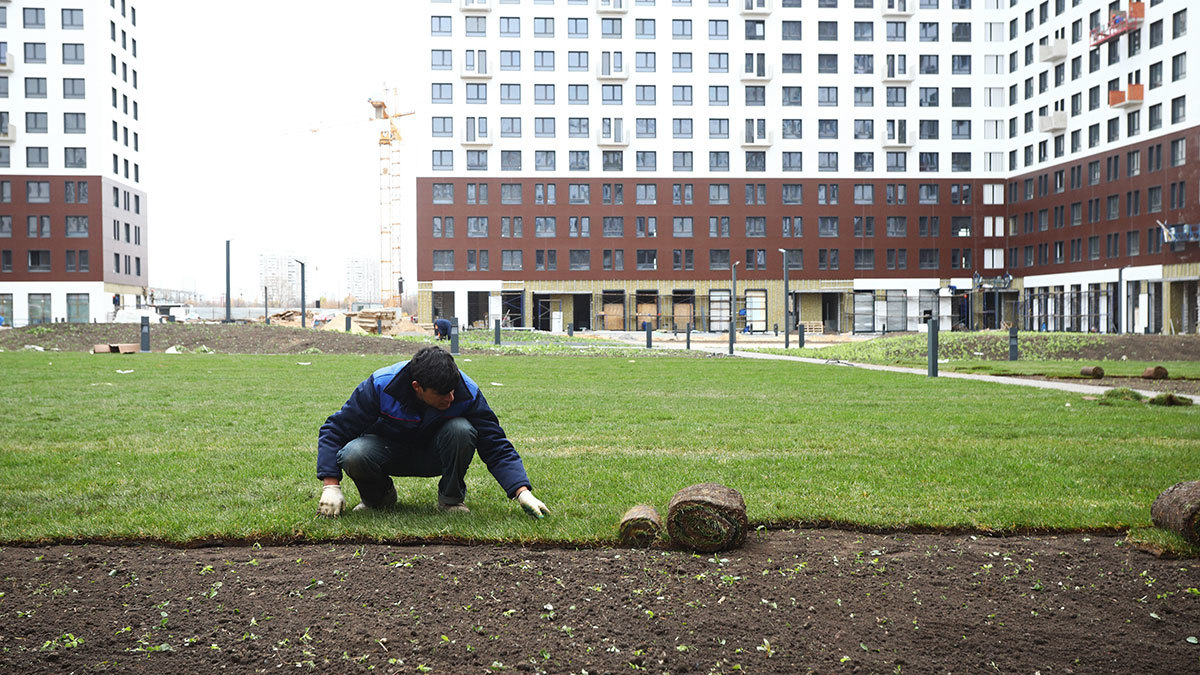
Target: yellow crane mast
[390, 281]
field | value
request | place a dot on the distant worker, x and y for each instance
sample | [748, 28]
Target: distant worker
[116, 302]
[416, 418]
[441, 329]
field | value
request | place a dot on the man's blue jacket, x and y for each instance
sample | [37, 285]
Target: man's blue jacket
[385, 404]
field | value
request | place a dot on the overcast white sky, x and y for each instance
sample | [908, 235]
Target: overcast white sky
[232, 90]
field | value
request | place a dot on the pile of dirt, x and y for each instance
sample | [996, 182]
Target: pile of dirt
[789, 602]
[224, 338]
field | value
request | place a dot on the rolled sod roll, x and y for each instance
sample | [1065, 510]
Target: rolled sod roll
[640, 526]
[1178, 509]
[707, 517]
[1154, 373]
[1092, 371]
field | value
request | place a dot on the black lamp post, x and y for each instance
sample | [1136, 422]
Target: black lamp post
[303, 319]
[787, 302]
[733, 304]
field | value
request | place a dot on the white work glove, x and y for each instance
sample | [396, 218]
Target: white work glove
[532, 505]
[332, 501]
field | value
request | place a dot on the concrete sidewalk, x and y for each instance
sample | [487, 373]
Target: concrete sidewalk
[707, 344]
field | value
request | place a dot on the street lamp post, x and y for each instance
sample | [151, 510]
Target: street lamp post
[733, 304]
[303, 319]
[787, 302]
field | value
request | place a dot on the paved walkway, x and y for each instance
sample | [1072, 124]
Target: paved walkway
[723, 348]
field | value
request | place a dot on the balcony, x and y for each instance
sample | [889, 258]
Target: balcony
[613, 6]
[478, 69]
[8, 134]
[606, 72]
[900, 140]
[755, 7]
[759, 74]
[898, 74]
[618, 138]
[474, 141]
[6, 61]
[1054, 52]
[1053, 123]
[475, 6]
[756, 141]
[1120, 23]
[1130, 99]
[898, 8]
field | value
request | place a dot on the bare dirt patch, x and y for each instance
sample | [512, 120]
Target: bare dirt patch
[789, 602]
[224, 338]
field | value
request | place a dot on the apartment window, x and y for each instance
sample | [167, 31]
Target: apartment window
[1179, 24]
[718, 160]
[543, 27]
[72, 53]
[864, 259]
[827, 226]
[827, 259]
[826, 96]
[756, 96]
[610, 28]
[37, 157]
[510, 260]
[896, 31]
[864, 226]
[477, 160]
[718, 62]
[826, 30]
[647, 259]
[756, 30]
[718, 29]
[75, 158]
[681, 29]
[37, 227]
[644, 29]
[577, 27]
[439, 25]
[864, 31]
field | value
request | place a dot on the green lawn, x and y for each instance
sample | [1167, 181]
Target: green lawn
[201, 446]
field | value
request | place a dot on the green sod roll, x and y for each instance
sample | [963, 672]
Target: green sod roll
[707, 517]
[1178, 509]
[640, 526]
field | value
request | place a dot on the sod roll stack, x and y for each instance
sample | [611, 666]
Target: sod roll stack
[1178, 509]
[707, 517]
[640, 527]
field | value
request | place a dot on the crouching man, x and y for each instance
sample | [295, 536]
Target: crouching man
[416, 418]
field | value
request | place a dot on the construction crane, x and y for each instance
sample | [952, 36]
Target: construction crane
[390, 282]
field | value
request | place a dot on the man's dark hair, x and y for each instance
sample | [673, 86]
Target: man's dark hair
[433, 368]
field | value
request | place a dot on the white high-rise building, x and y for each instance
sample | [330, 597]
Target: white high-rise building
[280, 275]
[362, 279]
[608, 162]
[73, 223]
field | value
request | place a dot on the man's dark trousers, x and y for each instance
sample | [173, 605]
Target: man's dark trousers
[370, 461]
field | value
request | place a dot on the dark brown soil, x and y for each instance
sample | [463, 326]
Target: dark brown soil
[1178, 385]
[789, 602]
[224, 338]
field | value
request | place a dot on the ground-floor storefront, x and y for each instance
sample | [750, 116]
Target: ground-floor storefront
[1147, 299]
[25, 303]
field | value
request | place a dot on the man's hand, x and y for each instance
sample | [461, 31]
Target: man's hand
[532, 505]
[333, 502]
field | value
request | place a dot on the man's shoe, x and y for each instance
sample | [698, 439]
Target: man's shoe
[389, 499]
[453, 508]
